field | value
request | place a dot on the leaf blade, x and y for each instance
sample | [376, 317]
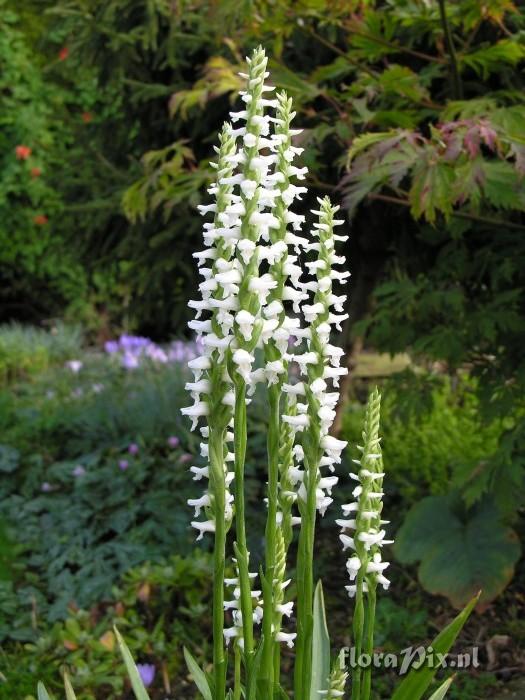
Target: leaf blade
[136, 681]
[320, 647]
[418, 680]
[198, 675]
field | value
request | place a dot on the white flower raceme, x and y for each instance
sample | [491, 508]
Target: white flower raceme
[363, 517]
[211, 389]
[320, 361]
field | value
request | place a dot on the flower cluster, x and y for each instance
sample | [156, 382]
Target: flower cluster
[363, 516]
[320, 363]
[133, 351]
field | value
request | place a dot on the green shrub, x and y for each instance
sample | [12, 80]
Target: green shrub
[433, 432]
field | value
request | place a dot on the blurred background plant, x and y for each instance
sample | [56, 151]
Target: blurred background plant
[413, 114]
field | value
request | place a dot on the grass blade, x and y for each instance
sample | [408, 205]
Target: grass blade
[419, 679]
[134, 676]
[198, 676]
[42, 692]
[442, 690]
[70, 693]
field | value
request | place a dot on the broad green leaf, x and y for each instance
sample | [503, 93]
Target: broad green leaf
[320, 647]
[418, 680]
[461, 552]
[198, 675]
[42, 692]
[70, 693]
[134, 676]
[440, 693]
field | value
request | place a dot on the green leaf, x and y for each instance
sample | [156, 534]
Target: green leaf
[42, 692]
[502, 185]
[198, 676]
[418, 680]
[440, 693]
[70, 693]
[363, 142]
[320, 647]
[431, 190]
[461, 551]
[134, 676]
[402, 81]
[492, 58]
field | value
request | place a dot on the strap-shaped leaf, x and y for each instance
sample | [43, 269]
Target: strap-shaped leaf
[320, 647]
[418, 680]
[42, 692]
[440, 693]
[134, 676]
[70, 693]
[198, 676]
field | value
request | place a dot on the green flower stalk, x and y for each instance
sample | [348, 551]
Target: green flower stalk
[365, 566]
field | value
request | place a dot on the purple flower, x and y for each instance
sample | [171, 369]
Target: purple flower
[185, 458]
[147, 673]
[79, 470]
[133, 342]
[46, 487]
[123, 464]
[173, 441]
[111, 346]
[133, 449]
[75, 365]
[130, 361]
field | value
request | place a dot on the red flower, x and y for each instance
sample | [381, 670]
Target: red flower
[36, 172]
[22, 152]
[63, 53]
[87, 117]
[40, 220]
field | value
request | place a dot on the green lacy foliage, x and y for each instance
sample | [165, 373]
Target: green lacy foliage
[80, 516]
[159, 608]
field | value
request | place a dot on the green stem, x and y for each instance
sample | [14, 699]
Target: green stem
[358, 631]
[267, 669]
[305, 579]
[237, 682]
[216, 452]
[454, 66]
[240, 437]
[369, 640]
